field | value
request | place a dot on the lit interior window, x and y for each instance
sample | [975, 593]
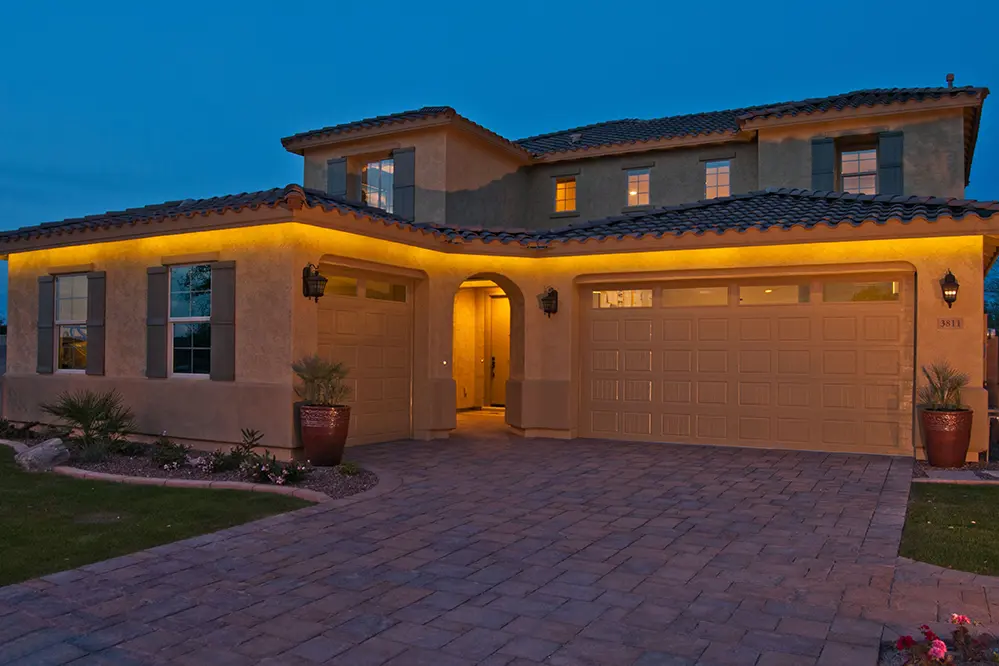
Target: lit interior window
[716, 179]
[565, 194]
[376, 184]
[638, 187]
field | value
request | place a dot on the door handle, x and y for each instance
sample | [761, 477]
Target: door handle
[492, 368]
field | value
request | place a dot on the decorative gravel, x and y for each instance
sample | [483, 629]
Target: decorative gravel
[919, 469]
[326, 480]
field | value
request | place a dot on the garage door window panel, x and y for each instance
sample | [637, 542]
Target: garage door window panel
[341, 285]
[774, 294]
[682, 297]
[622, 298]
[861, 291]
[385, 291]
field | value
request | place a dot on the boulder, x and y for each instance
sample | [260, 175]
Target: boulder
[43, 456]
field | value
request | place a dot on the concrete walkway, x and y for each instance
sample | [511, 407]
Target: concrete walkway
[506, 552]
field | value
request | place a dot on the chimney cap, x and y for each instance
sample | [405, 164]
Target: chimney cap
[950, 80]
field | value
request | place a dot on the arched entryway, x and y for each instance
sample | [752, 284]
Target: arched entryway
[487, 348]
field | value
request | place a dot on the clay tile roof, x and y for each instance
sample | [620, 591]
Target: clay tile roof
[634, 130]
[781, 208]
[367, 123]
[762, 210]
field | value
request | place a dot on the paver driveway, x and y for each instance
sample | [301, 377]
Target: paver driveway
[501, 551]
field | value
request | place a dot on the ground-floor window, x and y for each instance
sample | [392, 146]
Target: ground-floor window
[71, 322]
[190, 319]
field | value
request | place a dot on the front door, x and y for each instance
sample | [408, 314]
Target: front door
[499, 345]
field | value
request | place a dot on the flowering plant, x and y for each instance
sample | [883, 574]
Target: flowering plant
[265, 468]
[932, 650]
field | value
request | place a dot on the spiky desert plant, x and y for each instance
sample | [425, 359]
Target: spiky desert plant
[942, 391]
[323, 382]
[99, 417]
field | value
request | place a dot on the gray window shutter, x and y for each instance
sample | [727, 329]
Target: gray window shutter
[46, 324]
[223, 321]
[890, 163]
[823, 165]
[404, 183]
[157, 312]
[95, 322]
[336, 177]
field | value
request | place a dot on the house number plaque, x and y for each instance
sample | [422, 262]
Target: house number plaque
[950, 322]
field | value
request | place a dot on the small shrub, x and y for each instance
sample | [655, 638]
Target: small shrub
[127, 447]
[96, 450]
[95, 415]
[265, 468]
[942, 391]
[348, 468]
[323, 382]
[169, 454]
[226, 461]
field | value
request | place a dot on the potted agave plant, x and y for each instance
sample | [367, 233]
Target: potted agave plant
[323, 419]
[946, 420]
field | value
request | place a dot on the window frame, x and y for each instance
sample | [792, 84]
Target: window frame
[857, 149]
[384, 192]
[58, 324]
[565, 180]
[717, 164]
[638, 172]
[171, 321]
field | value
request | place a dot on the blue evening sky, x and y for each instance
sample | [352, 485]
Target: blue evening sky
[110, 104]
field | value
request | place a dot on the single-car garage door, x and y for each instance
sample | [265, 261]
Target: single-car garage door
[366, 321]
[802, 363]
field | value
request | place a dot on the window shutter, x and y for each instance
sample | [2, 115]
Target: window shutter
[823, 165]
[46, 324]
[890, 163]
[157, 311]
[336, 177]
[404, 183]
[95, 322]
[223, 321]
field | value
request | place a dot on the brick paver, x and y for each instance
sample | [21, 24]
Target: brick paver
[497, 550]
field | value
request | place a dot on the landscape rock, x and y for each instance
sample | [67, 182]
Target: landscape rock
[44, 456]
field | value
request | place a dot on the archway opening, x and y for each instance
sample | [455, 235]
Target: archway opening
[488, 312]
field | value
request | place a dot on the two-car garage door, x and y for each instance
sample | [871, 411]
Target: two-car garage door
[805, 363]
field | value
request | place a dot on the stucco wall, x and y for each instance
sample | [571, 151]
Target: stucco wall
[485, 183]
[933, 150]
[677, 176]
[261, 395]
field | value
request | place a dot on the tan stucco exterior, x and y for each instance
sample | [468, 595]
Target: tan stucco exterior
[275, 324]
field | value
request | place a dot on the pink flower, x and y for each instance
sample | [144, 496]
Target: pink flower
[959, 619]
[937, 650]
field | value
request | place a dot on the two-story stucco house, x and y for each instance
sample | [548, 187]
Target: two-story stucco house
[765, 276]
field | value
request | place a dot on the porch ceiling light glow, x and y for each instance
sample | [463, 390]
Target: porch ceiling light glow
[313, 282]
[949, 286]
[549, 301]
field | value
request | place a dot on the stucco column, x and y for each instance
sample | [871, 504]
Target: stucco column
[434, 402]
[540, 400]
[954, 335]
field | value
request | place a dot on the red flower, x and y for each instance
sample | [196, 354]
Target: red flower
[905, 642]
[927, 633]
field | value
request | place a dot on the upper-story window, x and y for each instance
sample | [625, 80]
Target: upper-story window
[716, 179]
[638, 187]
[859, 171]
[376, 184]
[565, 194]
[190, 319]
[71, 322]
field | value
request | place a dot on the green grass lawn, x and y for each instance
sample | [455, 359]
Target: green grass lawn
[49, 523]
[953, 526]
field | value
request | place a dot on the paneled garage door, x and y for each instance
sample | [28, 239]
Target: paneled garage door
[366, 321]
[807, 363]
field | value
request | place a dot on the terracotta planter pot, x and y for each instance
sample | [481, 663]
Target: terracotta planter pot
[324, 433]
[948, 435]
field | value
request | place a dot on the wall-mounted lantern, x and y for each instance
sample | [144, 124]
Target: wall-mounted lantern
[313, 282]
[949, 287]
[549, 301]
